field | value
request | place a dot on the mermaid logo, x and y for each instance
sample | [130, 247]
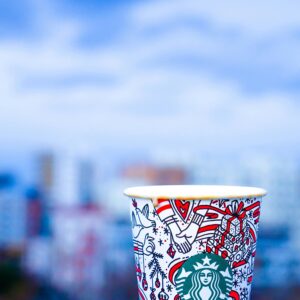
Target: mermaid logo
[204, 277]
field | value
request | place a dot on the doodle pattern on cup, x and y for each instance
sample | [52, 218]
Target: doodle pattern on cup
[166, 237]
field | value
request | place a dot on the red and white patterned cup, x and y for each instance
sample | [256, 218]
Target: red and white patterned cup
[193, 241]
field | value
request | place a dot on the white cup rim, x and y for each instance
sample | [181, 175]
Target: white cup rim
[194, 192]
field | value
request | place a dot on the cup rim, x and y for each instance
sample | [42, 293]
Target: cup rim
[194, 192]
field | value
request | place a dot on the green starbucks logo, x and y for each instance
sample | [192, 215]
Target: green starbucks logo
[204, 277]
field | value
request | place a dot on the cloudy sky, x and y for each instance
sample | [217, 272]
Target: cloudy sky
[216, 76]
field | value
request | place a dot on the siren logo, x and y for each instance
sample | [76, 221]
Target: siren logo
[204, 277]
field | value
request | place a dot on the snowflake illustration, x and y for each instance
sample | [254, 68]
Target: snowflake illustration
[166, 231]
[155, 230]
[235, 283]
[169, 288]
[243, 275]
[160, 242]
[244, 294]
[235, 272]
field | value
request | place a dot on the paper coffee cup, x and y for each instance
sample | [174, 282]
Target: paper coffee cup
[194, 242]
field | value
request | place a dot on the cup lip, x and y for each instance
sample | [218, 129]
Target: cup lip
[194, 192]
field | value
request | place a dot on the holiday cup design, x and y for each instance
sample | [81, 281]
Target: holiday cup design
[195, 249]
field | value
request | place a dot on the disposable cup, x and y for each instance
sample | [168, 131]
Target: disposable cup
[193, 241]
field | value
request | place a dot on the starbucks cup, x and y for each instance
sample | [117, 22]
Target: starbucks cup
[194, 242]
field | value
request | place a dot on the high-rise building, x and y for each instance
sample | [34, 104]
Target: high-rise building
[45, 168]
[12, 213]
[34, 213]
[86, 182]
[153, 174]
[74, 181]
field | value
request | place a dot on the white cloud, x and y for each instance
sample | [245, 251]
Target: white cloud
[149, 103]
[255, 18]
[261, 35]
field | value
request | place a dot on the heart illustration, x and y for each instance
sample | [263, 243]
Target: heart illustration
[183, 208]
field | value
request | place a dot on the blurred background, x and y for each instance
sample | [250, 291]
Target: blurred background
[99, 95]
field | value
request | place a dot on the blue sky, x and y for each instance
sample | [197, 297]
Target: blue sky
[214, 77]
